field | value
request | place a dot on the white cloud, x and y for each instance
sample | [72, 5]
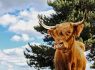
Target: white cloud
[16, 38]
[23, 37]
[10, 5]
[7, 20]
[26, 23]
[13, 59]
[47, 13]
[0, 5]
[23, 26]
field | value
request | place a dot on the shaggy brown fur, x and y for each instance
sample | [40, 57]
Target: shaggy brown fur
[69, 54]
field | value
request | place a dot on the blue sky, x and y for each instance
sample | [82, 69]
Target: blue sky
[17, 19]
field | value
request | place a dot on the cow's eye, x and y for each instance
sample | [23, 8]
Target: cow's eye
[68, 33]
[61, 33]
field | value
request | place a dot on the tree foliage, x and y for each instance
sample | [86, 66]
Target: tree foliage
[40, 56]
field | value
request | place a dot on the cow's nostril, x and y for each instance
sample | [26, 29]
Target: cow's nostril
[61, 43]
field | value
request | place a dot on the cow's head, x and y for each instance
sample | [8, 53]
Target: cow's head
[64, 33]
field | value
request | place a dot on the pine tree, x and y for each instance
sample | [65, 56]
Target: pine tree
[91, 55]
[40, 56]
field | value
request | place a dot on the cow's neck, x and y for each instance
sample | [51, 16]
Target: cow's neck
[71, 42]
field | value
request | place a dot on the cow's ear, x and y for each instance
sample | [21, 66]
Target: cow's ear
[78, 29]
[50, 32]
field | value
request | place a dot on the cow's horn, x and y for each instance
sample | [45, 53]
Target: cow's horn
[45, 26]
[80, 22]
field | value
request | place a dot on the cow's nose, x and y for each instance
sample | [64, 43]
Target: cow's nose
[61, 43]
